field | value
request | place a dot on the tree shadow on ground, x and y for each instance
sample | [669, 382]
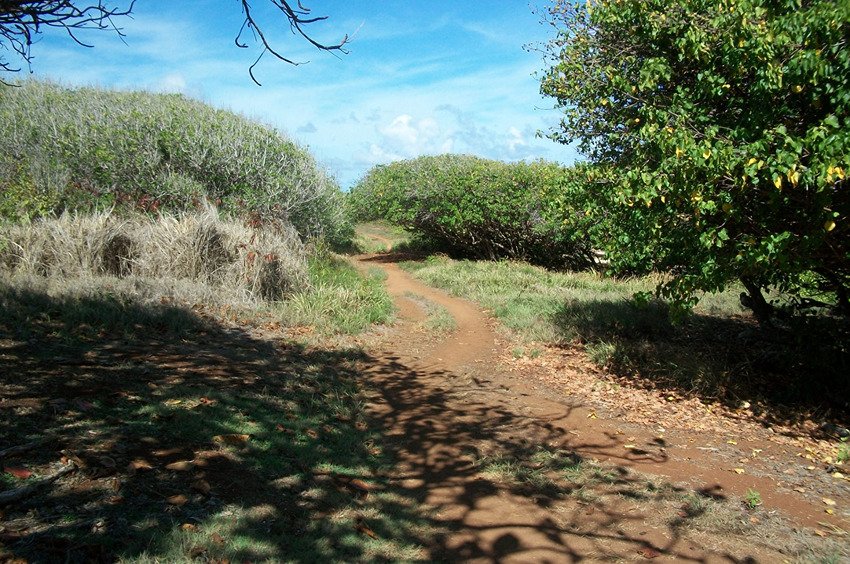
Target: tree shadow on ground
[788, 372]
[196, 440]
[191, 439]
[505, 485]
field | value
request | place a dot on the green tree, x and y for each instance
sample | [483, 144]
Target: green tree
[720, 131]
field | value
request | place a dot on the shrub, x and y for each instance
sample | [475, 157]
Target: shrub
[82, 149]
[480, 208]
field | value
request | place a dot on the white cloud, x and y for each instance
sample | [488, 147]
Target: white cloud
[174, 82]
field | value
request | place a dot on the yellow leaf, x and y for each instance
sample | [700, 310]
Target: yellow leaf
[679, 152]
[793, 177]
[629, 446]
[706, 153]
[752, 161]
[731, 442]
[829, 225]
[738, 470]
[797, 89]
[592, 415]
[778, 182]
[829, 511]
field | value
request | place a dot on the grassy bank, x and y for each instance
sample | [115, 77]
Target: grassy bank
[190, 438]
[719, 352]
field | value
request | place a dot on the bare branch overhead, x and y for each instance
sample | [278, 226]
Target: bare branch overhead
[22, 21]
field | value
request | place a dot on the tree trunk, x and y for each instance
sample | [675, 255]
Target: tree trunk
[754, 300]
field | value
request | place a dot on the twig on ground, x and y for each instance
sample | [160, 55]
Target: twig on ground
[11, 451]
[26, 491]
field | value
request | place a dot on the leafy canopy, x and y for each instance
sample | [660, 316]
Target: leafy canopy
[721, 135]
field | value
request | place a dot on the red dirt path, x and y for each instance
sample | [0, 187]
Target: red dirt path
[447, 402]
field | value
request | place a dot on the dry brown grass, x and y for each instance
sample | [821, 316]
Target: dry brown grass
[243, 262]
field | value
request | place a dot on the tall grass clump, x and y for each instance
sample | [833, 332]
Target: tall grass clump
[237, 259]
[64, 149]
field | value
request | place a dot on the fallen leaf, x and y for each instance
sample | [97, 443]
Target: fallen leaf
[829, 511]
[180, 466]
[19, 473]
[738, 470]
[189, 527]
[364, 529]
[360, 485]
[827, 501]
[178, 500]
[172, 402]
[649, 553]
[217, 539]
[139, 465]
[311, 433]
[592, 415]
[201, 486]
[822, 534]
[232, 439]
[629, 446]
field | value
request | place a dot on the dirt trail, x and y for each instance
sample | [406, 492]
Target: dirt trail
[447, 404]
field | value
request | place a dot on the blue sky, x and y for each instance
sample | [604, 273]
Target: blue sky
[421, 77]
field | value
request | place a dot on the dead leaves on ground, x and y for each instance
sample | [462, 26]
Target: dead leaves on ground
[232, 439]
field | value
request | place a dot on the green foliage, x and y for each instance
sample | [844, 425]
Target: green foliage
[752, 499]
[480, 208]
[721, 135]
[88, 148]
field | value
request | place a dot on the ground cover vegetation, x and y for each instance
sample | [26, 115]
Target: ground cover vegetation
[184, 436]
[717, 353]
[478, 208]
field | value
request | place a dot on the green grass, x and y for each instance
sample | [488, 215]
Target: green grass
[110, 376]
[718, 352]
[438, 319]
[339, 300]
[379, 237]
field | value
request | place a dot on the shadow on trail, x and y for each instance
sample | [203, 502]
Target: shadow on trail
[194, 440]
[503, 485]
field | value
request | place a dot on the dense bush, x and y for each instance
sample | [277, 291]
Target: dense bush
[722, 134]
[72, 149]
[481, 208]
